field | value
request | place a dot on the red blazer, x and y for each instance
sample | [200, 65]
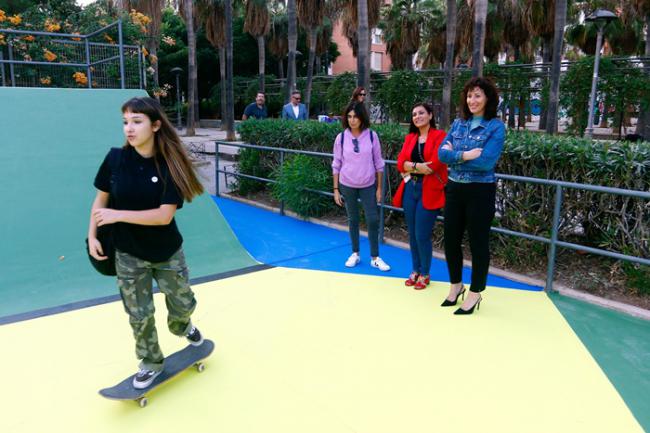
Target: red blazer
[433, 193]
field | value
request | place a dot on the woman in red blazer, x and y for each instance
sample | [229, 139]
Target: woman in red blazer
[421, 192]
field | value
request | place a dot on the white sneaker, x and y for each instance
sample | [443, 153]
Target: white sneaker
[353, 260]
[379, 264]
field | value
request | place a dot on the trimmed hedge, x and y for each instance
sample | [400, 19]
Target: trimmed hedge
[595, 219]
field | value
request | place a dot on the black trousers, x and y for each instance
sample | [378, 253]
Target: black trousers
[469, 206]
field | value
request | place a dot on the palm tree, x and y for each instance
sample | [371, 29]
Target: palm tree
[542, 21]
[293, 42]
[553, 99]
[187, 9]
[258, 24]
[310, 15]
[401, 26]
[279, 41]
[480, 16]
[230, 99]
[350, 21]
[153, 9]
[214, 23]
[639, 10]
[449, 64]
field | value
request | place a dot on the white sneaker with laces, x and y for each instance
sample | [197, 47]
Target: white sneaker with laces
[143, 378]
[353, 260]
[379, 264]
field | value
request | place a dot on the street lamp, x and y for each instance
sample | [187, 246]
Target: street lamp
[601, 18]
[177, 71]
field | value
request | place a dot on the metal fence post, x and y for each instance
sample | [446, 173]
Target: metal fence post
[216, 168]
[2, 68]
[140, 60]
[88, 68]
[12, 76]
[281, 164]
[121, 48]
[554, 232]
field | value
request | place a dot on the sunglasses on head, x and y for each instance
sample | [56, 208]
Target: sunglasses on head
[355, 142]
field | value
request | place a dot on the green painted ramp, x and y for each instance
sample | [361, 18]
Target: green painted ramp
[621, 346]
[52, 142]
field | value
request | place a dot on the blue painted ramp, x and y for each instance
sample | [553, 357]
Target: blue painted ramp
[284, 241]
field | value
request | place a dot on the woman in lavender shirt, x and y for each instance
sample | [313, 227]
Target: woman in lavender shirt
[358, 169]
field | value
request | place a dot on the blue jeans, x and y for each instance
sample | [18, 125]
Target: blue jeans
[419, 222]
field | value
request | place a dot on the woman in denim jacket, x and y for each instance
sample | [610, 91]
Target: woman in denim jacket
[471, 150]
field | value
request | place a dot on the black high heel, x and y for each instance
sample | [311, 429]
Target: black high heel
[448, 303]
[477, 305]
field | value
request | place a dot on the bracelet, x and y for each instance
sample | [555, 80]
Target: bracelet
[336, 189]
[415, 166]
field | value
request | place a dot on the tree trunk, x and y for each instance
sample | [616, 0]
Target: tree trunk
[480, 16]
[312, 34]
[554, 93]
[293, 42]
[643, 122]
[547, 57]
[230, 98]
[191, 68]
[452, 18]
[281, 69]
[222, 82]
[363, 49]
[261, 61]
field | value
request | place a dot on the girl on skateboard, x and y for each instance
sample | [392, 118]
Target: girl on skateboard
[151, 179]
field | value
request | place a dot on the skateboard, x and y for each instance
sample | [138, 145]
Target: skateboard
[174, 364]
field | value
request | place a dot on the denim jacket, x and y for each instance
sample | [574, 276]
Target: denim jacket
[488, 135]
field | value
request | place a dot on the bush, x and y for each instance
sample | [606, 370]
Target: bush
[249, 161]
[339, 92]
[299, 173]
[601, 220]
[311, 136]
[400, 92]
[620, 86]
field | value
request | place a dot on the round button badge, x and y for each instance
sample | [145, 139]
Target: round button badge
[154, 179]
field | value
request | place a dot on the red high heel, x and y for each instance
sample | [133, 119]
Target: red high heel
[422, 282]
[412, 279]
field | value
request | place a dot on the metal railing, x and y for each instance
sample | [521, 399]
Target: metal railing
[73, 39]
[552, 241]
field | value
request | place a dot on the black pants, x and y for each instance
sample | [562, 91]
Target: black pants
[469, 206]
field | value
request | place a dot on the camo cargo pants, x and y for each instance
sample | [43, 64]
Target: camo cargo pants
[134, 279]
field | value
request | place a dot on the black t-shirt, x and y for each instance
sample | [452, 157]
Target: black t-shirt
[139, 185]
[417, 155]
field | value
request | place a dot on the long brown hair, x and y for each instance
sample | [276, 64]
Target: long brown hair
[168, 144]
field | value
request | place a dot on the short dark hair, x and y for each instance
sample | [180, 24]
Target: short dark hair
[260, 93]
[296, 92]
[491, 93]
[429, 108]
[359, 109]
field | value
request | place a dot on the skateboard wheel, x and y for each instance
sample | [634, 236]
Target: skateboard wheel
[200, 367]
[142, 402]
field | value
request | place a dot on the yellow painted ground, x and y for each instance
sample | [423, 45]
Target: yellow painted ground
[307, 352]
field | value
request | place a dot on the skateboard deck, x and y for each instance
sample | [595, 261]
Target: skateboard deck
[174, 364]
